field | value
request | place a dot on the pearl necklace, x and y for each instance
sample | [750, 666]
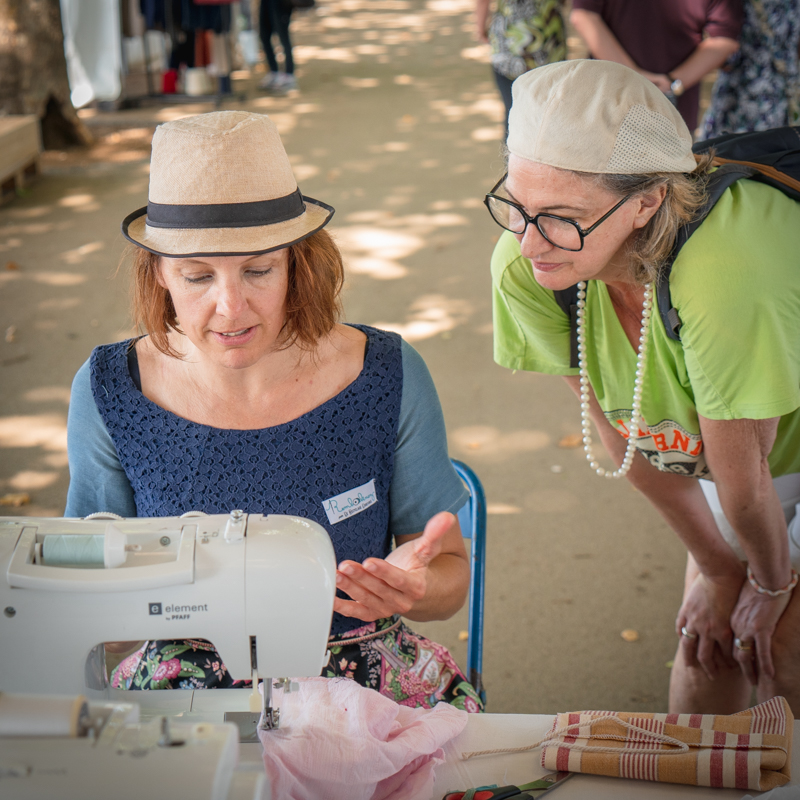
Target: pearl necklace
[630, 450]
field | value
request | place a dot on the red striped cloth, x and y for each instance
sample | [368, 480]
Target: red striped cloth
[749, 750]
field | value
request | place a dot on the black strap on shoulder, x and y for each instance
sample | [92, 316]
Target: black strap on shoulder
[771, 157]
[718, 181]
[567, 300]
[133, 365]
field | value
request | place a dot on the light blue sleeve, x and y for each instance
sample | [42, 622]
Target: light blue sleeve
[97, 480]
[424, 481]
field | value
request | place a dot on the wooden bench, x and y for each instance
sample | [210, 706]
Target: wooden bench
[20, 146]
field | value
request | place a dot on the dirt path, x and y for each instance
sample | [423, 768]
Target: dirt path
[397, 126]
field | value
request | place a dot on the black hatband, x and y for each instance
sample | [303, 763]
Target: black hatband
[226, 215]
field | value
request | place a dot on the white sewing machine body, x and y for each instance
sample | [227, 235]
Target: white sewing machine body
[64, 747]
[260, 588]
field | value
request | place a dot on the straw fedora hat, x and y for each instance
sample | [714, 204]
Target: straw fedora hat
[221, 184]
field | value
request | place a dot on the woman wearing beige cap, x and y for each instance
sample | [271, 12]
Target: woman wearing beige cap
[246, 393]
[600, 178]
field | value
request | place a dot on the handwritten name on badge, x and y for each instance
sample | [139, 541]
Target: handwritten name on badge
[351, 502]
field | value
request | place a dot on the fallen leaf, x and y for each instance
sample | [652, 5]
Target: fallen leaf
[573, 440]
[463, 636]
[12, 265]
[15, 499]
[630, 635]
[11, 333]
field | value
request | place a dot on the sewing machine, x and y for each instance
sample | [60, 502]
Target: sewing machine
[260, 588]
[66, 747]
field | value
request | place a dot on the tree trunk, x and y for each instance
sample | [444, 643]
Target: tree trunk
[33, 70]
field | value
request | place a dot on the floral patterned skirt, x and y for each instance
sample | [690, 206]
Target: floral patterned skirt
[389, 657]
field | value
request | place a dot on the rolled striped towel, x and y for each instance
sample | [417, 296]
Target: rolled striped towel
[749, 750]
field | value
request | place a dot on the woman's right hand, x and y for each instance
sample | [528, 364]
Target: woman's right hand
[706, 611]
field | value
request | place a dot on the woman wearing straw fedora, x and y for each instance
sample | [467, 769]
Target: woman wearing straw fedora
[245, 392]
[600, 177]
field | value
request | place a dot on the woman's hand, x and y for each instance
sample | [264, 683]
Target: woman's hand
[706, 612]
[382, 587]
[737, 452]
[753, 621]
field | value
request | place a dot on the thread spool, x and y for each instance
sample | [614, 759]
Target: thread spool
[73, 550]
[50, 716]
[87, 551]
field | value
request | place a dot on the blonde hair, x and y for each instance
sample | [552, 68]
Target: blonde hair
[313, 305]
[651, 245]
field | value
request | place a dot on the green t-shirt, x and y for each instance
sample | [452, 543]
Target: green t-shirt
[736, 286]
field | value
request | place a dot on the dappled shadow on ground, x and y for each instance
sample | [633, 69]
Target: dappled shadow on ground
[376, 129]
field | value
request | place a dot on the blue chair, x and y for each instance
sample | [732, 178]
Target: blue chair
[472, 518]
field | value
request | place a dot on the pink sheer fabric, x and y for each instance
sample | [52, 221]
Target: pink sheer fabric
[340, 741]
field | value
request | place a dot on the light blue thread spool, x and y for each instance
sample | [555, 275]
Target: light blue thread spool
[73, 550]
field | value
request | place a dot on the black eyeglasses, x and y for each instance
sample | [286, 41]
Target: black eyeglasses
[560, 232]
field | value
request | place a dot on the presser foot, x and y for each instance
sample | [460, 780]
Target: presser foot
[270, 719]
[250, 723]
[270, 714]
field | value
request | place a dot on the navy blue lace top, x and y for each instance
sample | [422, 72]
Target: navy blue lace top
[348, 443]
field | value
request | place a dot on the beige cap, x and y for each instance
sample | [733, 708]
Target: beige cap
[597, 116]
[221, 184]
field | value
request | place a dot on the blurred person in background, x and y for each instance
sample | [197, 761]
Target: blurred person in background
[758, 88]
[524, 34]
[274, 18]
[673, 43]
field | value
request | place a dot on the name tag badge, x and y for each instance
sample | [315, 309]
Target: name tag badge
[351, 502]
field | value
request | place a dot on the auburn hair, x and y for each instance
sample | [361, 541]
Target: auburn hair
[313, 303]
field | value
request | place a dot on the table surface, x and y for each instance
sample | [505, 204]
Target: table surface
[494, 731]
[483, 732]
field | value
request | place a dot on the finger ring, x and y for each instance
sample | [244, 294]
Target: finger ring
[740, 644]
[687, 633]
